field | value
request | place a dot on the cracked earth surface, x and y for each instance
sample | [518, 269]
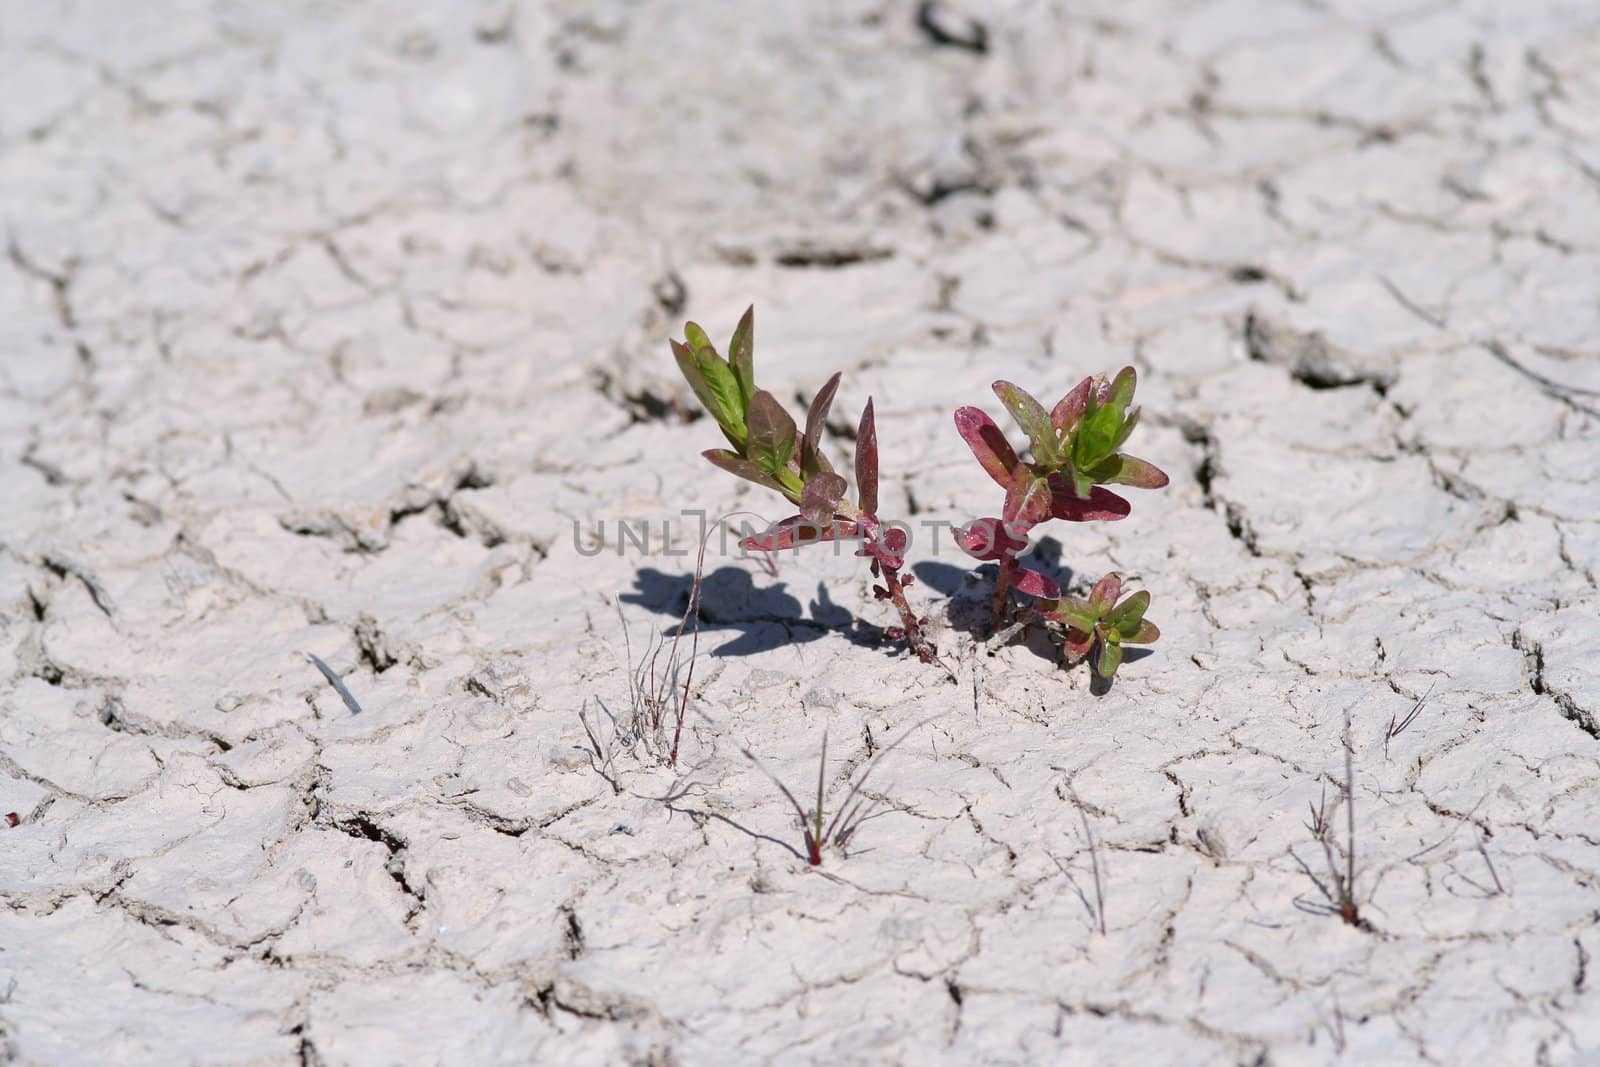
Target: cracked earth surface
[323, 323]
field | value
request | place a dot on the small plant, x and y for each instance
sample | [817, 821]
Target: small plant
[817, 830]
[658, 691]
[769, 449]
[1075, 452]
[1338, 887]
[1097, 628]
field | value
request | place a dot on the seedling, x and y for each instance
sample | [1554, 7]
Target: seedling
[1097, 628]
[1074, 453]
[1337, 887]
[817, 830]
[769, 449]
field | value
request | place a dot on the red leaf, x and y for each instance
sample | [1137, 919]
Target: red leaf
[867, 461]
[988, 443]
[1101, 505]
[1069, 409]
[1105, 593]
[1028, 499]
[772, 431]
[734, 463]
[821, 498]
[811, 458]
[1035, 584]
[794, 531]
[1077, 642]
[741, 353]
[988, 539]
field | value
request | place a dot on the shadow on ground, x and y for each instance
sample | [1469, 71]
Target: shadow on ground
[971, 604]
[763, 615]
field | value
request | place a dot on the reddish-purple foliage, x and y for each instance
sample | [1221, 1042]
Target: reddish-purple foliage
[1074, 453]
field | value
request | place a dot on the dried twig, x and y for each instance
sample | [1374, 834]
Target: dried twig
[1096, 909]
[1398, 726]
[602, 753]
[1484, 852]
[337, 683]
[1499, 889]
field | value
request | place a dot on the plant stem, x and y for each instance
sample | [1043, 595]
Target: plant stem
[914, 638]
[1001, 585]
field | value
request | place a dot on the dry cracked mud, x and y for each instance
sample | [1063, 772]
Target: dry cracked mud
[325, 325]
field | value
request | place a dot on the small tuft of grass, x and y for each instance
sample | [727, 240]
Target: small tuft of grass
[1337, 886]
[818, 830]
[658, 689]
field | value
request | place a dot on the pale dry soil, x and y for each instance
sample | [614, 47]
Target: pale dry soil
[322, 323]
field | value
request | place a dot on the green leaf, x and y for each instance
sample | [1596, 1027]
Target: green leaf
[1110, 658]
[691, 374]
[741, 353]
[1076, 612]
[1129, 421]
[1034, 420]
[1122, 390]
[1128, 614]
[1082, 484]
[772, 432]
[1146, 634]
[727, 402]
[696, 337]
[1128, 470]
[1096, 436]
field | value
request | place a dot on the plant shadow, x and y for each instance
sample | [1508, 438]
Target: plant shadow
[762, 617]
[971, 604]
[1100, 685]
[971, 591]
